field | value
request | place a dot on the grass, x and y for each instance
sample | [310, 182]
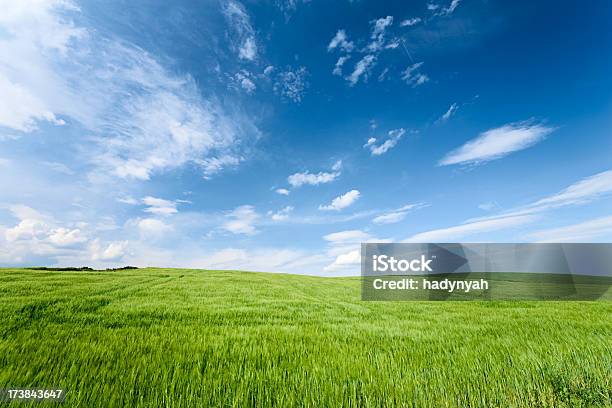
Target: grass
[189, 338]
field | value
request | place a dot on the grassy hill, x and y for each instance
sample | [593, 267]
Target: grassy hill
[192, 338]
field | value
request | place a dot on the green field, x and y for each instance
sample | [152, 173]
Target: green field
[191, 338]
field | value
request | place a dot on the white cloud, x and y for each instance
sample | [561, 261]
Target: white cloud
[241, 220]
[377, 149]
[412, 75]
[53, 69]
[313, 179]
[248, 50]
[63, 237]
[340, 40]
[497, 143]
[488, 206]
[244, 35]
[282, 214]
[292, 84]
[445, 11]
[111, 252]
[153, 228]
[244, 80]
[338, 67]
[127, 200]
[448, 114]
[397, 215]
[342, 201]
[378, 33]
[581, 192]
[349, 259]
[451, 234]
[587, 231]
[159, 206]
[362, 68]
[282, 191]
[213, 165]
[348, 236]
[409, 22]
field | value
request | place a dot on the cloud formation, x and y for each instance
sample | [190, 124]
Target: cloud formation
[497, 143]
[341, 202]
[376, 149]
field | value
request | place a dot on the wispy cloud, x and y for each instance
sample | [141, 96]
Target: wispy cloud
[338, 67]
[581, 192]
[341, 202]
[241, 220]
[412, 75]
[239, 21]
[59, 71]
[497, 143]
[587, 231]
[159, 206]
[409, 22]
[362, 68]
[376, 149]
[448, 114]
[471, 228]
[397, 215]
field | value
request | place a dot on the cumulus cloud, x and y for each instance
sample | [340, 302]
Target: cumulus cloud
[349, 259]
[153, 228]
[378, 33]
[497, 143]
[313, 179]
[376, 149]
[341, 41]
[241, 220]
[282, 191]
[343, 201]
[282, 214]
[112, 251]
[245, 81]
[412, 75]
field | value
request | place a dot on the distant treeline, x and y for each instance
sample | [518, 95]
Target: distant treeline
[82, 268]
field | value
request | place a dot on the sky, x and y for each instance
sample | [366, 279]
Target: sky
[279, 135]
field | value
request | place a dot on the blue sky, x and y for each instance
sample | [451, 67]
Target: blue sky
[278, 135]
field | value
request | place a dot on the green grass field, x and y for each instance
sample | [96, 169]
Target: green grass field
[189, 338]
